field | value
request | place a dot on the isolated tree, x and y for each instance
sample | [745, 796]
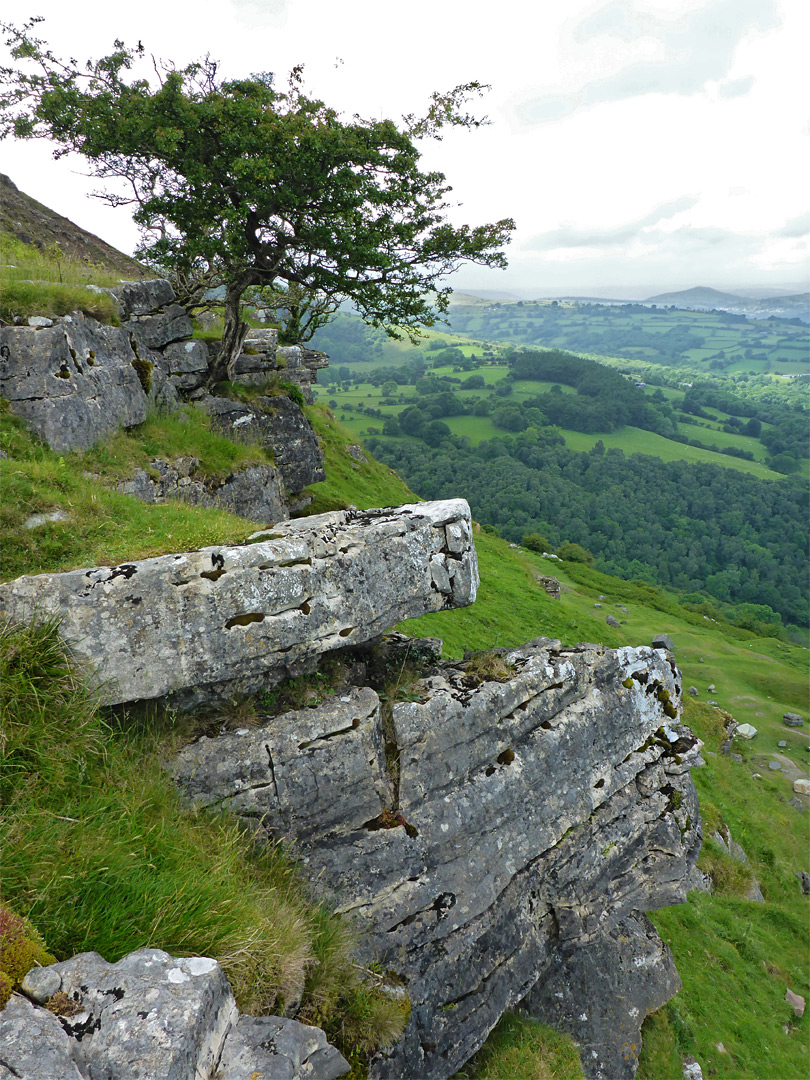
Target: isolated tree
[260, 186]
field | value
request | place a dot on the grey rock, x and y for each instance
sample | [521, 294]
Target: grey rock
[776, 766]
[39, 321]
[186, 364]
[723, 838]
[157, 331]
[754, 893]
[797, 804]
[152, 1015]
[796, 1002]
[691, 1069]
[36, 521]
[356, 452]
[736, 757]
[597, 605]
[693, 691]
[40, 983]
[711, 689]
[33, 1045]
[792, 720]
[805, 880]
[279, 1049]
[73, 384]
[550, 585]
[256, 493]
[278, 424]
[782, 744]
[602, 992]
[142, 297]
[802, 786]
[454, 882]
[663, 641]
[235, 619]
[611, 621]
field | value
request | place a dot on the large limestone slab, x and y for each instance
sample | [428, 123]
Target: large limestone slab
[235, 618]
[477, 834]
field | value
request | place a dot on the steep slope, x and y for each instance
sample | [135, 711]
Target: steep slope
[33, 223]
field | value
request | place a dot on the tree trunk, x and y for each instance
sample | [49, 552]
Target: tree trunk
[234, 332]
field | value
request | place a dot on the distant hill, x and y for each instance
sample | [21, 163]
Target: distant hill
[796, 306]
[29, 221]
[697, 297]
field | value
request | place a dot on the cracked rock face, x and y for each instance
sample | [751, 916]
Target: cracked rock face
[278, 424]
[234, 619]
[73, 383]
[478, 835]
[150, 1015]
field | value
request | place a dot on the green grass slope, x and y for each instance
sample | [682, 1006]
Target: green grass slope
[85, 797]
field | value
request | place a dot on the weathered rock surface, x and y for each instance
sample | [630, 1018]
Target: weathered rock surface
[478, 834]
[233, 619]
[256, 493]
[792, 719]
[278, 424]
[150, 1015]
[601, 993]
[73, 383]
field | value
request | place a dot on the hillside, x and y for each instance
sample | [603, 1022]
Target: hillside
[109, 805]
[30, 222]
[723, 943]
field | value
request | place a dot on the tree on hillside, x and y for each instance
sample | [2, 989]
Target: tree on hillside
[257, 185]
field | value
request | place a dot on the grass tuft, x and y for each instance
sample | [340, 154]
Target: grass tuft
[520, 1048]
[102, 855]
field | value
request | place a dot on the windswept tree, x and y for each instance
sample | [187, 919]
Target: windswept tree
[237, 181]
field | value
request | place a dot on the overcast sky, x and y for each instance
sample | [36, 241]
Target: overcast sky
[641, 145]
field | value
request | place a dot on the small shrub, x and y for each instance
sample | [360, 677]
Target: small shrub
[21, 948]
[571, 552]
[536, 542]
[487, 666]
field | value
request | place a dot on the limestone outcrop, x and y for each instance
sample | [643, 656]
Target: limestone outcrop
[75, 382]
[235, 619]
[485, 834]
[150, 1015]
[256, 493]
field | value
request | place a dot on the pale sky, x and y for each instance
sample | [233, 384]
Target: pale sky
[641, 145]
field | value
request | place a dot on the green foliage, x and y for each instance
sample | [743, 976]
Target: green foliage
[695, 528]
[101, 526]
[536, 542]
[571, 552]
[19, 299]
[21, 948]
[258, 185]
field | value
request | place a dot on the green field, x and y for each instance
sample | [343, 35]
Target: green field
[705, 340]
[631, 440]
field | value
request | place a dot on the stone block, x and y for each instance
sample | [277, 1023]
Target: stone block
[234, 619]
[74, 383]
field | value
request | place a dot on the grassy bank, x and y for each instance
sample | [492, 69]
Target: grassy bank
[101, 854]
